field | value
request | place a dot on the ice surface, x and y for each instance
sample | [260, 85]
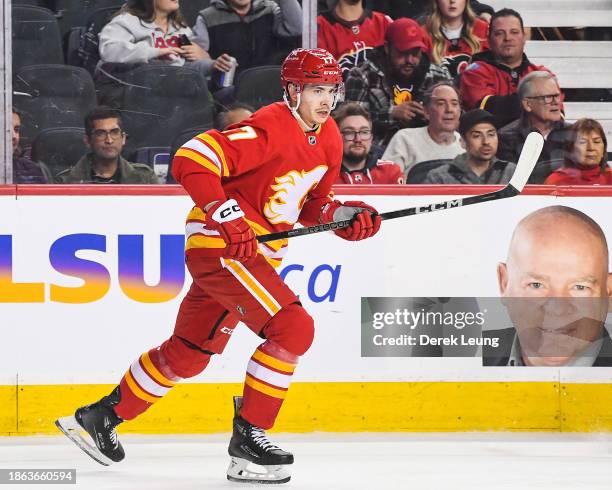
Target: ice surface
[488, 461]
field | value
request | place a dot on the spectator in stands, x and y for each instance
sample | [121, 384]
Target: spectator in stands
[479, 164]
[585, 157]
[455, 34]
[104, 164]
[25, 171]
[540, 99]
[439, 140]
[360, 165]
[491, 81]
[234, 114]
[348, 28]
[391, 83]
[419, 9]
[151, 31]
[251, 31]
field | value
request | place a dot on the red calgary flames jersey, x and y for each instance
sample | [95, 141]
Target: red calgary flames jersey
[270, 166]
[341, 37]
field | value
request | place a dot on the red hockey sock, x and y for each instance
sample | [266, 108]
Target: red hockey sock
[147, 380]
[267, 380]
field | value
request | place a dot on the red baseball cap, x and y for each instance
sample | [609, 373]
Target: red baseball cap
[405, 34]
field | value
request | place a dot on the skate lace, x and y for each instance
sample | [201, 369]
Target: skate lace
[259, 437]
[113, 438]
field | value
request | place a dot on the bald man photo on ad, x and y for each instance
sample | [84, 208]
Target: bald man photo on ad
[556, 286]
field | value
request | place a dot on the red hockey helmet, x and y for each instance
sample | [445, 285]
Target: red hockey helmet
[315, 65]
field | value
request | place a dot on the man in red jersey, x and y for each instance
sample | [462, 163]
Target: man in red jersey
[261, 175]
[491, 81]
[347, 28]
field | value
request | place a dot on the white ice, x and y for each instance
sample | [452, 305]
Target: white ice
[488, 461]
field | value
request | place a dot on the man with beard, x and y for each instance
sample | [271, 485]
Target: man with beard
[360, 163]
[478, 165]
[556, 287]
[391, 83]
[104, 164]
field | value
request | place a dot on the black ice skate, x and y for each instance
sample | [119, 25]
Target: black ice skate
[249, 444]
[99, 421]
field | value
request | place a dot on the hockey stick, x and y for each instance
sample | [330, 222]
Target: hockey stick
[529, 157]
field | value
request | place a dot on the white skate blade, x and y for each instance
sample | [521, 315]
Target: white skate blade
[241, 471]
[73, 431]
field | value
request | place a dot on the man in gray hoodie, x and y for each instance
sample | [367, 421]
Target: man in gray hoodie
[255, 32]
[478, 165]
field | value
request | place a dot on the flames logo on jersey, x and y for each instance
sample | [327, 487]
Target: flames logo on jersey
[291, 191]
[401, 95]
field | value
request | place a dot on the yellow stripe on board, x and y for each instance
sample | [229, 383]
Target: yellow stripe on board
[336, 407]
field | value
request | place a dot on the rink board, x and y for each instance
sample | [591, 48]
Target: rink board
[86, 267]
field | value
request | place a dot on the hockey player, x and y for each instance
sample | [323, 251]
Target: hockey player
[260, 176]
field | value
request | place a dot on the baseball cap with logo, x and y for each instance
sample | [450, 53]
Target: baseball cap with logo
[405, 34]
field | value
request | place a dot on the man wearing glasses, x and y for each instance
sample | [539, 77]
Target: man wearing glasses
[103, 164]
[541, 104]
[360, 163]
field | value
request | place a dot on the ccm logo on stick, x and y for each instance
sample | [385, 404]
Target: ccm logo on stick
[435, 207]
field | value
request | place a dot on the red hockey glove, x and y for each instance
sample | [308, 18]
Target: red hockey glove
[365, 219]
[228, 219]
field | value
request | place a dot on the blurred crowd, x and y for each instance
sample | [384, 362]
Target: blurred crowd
[436, 91]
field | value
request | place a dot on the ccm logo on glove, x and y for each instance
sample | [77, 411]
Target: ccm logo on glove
[228, 219]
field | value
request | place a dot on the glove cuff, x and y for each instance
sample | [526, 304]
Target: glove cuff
[222, 212]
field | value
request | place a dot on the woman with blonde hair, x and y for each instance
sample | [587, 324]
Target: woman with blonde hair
[586, 157]
[455, 34]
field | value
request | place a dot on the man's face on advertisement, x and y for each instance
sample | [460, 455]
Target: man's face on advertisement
[556, 285]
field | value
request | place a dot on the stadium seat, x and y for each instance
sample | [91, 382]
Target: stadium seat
[59, 148]
[543, 170]
[156, 157]
[51, 96]
[82, 45]
[259, 86]
[36, 37]
[417, 174]
[75, 13]
[182, 138]
[160, 101]
[191, 8]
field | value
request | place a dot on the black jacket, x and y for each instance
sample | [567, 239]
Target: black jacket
[500, 356]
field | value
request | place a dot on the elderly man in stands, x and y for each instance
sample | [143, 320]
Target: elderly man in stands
[479, 164]
[491, 81]
[103, 164]
[540, 99]
[391, 83]
[439, 140]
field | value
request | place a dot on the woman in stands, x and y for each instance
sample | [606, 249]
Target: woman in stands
[152, 31]
[455, 34]
[585, 158]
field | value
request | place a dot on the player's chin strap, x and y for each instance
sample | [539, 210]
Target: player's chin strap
[294, 110]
